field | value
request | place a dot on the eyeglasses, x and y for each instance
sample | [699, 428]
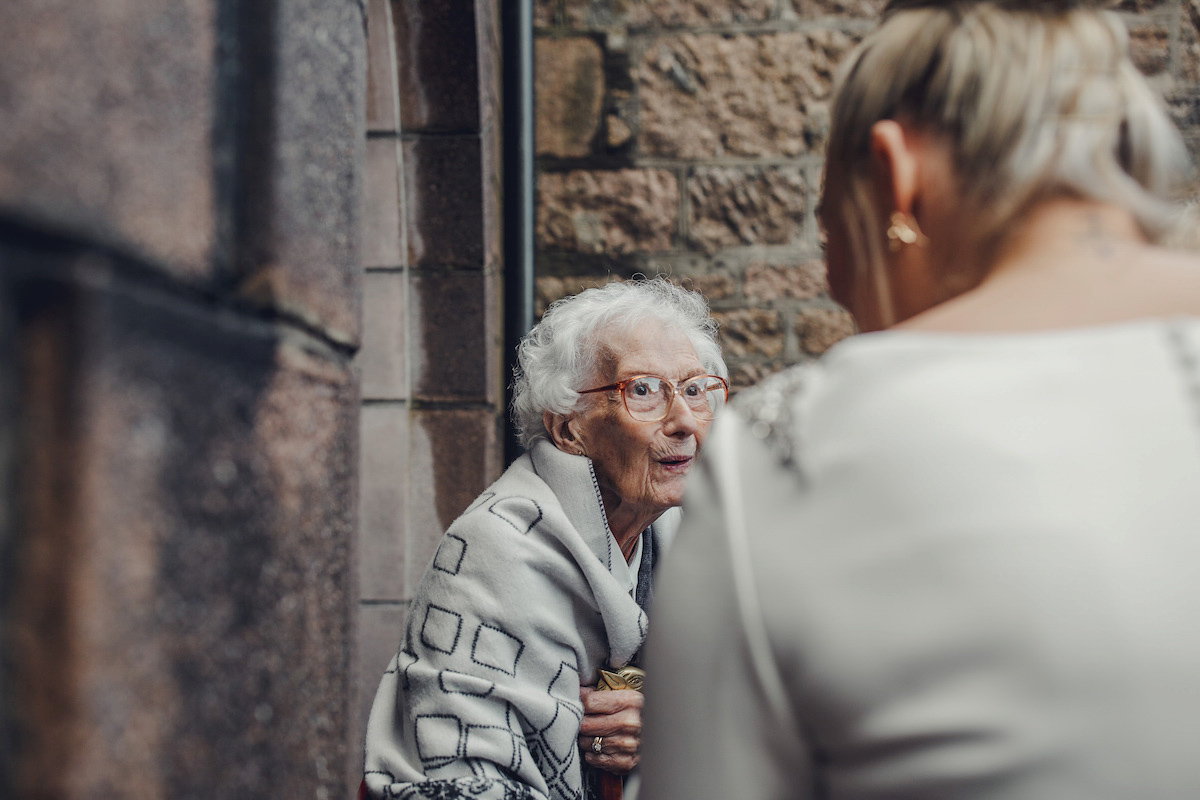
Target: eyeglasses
[648, 398]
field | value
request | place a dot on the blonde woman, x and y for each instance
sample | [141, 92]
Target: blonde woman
[960, 558]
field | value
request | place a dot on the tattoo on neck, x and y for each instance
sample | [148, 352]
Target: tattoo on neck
[1099, 236]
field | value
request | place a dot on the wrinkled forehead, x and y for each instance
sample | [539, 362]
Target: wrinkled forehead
[644, 346]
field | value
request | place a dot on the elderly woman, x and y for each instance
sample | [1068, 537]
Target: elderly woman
[957, 558]
[545, 579]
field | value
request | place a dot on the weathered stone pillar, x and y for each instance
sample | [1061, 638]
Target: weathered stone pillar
[179, 305]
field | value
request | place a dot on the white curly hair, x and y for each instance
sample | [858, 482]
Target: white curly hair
[562, 352]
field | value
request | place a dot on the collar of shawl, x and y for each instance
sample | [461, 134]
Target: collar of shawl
[572, 479]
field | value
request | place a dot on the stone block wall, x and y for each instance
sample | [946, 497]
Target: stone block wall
[431, 358]
[179, 307]
[685, 137]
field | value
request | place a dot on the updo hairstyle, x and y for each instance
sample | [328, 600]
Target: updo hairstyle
[1036, 99]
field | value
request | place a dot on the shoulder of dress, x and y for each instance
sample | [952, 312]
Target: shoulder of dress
[771, 412]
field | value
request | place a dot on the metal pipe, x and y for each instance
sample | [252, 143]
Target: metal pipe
[519, 187]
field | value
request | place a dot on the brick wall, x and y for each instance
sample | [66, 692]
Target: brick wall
[684, 137]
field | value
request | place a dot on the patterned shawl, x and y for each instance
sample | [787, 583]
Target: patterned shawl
[523, 602]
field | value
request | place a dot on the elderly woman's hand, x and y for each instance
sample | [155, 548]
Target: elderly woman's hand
[616, 716]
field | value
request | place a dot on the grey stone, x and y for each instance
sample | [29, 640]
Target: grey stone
[607, 211]
[303, 206]
[384, 478]
[108, 113]
[180, 618]
[711, 95]
[383, 357]
[569, 88]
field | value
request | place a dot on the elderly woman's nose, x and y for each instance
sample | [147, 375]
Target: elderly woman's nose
[681, 418]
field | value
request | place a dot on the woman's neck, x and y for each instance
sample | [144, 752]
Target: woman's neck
[1069, 233]
[1071, 263]
[626, 523]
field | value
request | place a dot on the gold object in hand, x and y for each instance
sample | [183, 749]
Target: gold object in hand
[624, 678]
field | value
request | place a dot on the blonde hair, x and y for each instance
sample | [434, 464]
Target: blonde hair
[1034, 98]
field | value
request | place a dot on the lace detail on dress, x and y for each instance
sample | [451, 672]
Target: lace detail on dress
[771, 411]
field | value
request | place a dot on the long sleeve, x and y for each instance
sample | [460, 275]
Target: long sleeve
[964, 566]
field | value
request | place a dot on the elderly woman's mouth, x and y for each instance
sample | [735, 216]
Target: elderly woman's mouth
[676, 463]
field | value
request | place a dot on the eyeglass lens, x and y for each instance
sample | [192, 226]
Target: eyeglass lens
[649, 397]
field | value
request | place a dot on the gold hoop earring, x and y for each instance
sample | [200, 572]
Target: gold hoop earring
[904, 230]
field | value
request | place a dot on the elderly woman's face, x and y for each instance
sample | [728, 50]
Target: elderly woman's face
[642, 465]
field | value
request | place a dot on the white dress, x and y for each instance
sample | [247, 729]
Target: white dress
[941, 566]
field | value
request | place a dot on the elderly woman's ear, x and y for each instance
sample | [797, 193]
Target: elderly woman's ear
[563, 432]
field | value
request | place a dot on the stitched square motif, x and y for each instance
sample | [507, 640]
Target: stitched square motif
[439, 739]
[496, 649]
[450, 554]
[440, 629]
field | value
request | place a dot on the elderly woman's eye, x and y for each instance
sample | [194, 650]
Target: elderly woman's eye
[641, 389]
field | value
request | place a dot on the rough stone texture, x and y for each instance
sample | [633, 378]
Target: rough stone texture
[569, 87]
[489, 48]
[642, 14]
[108, 117]
[181, 617]
[821, 328]
[866, 9]
[731, 96]
[768, 282]
[605, 211]
[382, 359]
[617, 132]
[733, 206]
[384, 478]
[491, 162]
[1184, 108]
[743, 374]
[1189, 36]
[1150, 47]
[444, 201]
[717, 286]
[714, 287]
[545, 13]
[454, 315]
[750, 331]
[1139, 5]
[709, 95]
[438, 62]
[303, 198]
[381, 218]
[550, 288]
[676, 13]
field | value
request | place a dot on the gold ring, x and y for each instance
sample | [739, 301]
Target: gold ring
[598, 744]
